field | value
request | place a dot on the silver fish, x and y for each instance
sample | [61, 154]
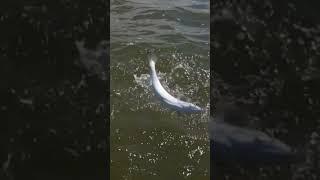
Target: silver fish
[164, 96]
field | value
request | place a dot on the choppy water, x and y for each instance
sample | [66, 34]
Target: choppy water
[149, 141]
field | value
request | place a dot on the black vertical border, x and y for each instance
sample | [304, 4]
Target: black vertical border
[34, 145]
[294, 26]
[108, 114]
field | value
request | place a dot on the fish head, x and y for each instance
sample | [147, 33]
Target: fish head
[194, 108]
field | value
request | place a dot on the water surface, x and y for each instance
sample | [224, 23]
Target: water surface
[149, 141]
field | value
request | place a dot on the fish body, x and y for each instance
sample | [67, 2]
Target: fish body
[165, 97]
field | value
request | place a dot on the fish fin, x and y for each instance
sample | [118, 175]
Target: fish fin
[150, 81]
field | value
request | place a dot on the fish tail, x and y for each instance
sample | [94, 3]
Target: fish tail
[152, 59]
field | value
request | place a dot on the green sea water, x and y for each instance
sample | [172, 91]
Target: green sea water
[147, 140]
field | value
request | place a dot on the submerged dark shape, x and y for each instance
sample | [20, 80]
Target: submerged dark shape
[234, 144]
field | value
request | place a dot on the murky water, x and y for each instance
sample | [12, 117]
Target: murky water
[149, 141]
